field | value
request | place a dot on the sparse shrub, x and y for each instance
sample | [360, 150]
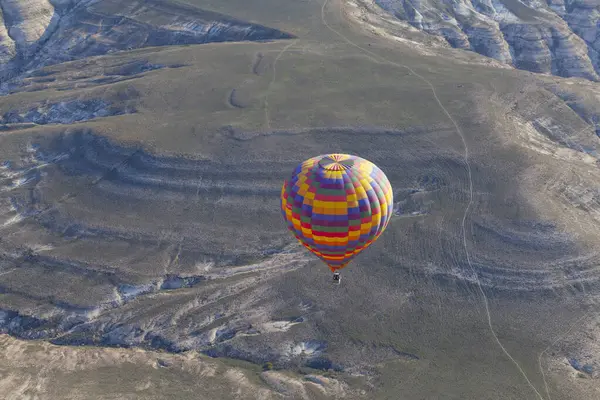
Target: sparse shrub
[267, 366]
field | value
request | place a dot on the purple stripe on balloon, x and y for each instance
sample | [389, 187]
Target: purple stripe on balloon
[325, 217]
[321, 222]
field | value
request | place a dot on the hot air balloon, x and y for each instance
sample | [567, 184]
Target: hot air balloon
[337, 205]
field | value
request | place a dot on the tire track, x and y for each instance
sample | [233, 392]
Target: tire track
[469, 172]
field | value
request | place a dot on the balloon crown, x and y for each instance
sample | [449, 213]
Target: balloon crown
[336, 162]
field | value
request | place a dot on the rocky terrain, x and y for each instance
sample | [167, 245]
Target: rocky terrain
[142, 250]
[36, 33]
[65, 112]
[109, 372]
[554, 37]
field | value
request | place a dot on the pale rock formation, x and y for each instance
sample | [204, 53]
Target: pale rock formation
[35, 33]
[557, 37]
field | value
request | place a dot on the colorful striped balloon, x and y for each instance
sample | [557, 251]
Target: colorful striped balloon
[337, 205]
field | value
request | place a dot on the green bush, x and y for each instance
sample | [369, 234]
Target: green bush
[267, 366]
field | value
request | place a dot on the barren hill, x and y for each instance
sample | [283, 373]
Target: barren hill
[143, 254]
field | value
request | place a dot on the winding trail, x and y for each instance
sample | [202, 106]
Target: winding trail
[468, 166]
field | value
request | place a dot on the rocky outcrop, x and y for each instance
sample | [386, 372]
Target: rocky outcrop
[583, 18]
[64, 112]
[556, 38]
[28, 22]
[84, 74]
[7, 45]
[36, 33]
[24, 26]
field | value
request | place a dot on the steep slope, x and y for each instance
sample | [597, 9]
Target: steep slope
[556, 38]
[40, 33]
[28, 22]
[7, 44]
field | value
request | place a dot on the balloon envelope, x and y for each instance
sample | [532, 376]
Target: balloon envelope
[337, 205]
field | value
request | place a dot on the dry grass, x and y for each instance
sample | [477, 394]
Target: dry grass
[188, 186]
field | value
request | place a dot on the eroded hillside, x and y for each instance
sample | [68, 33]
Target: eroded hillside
[36, 33]
[554, 37]
[141, 234]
